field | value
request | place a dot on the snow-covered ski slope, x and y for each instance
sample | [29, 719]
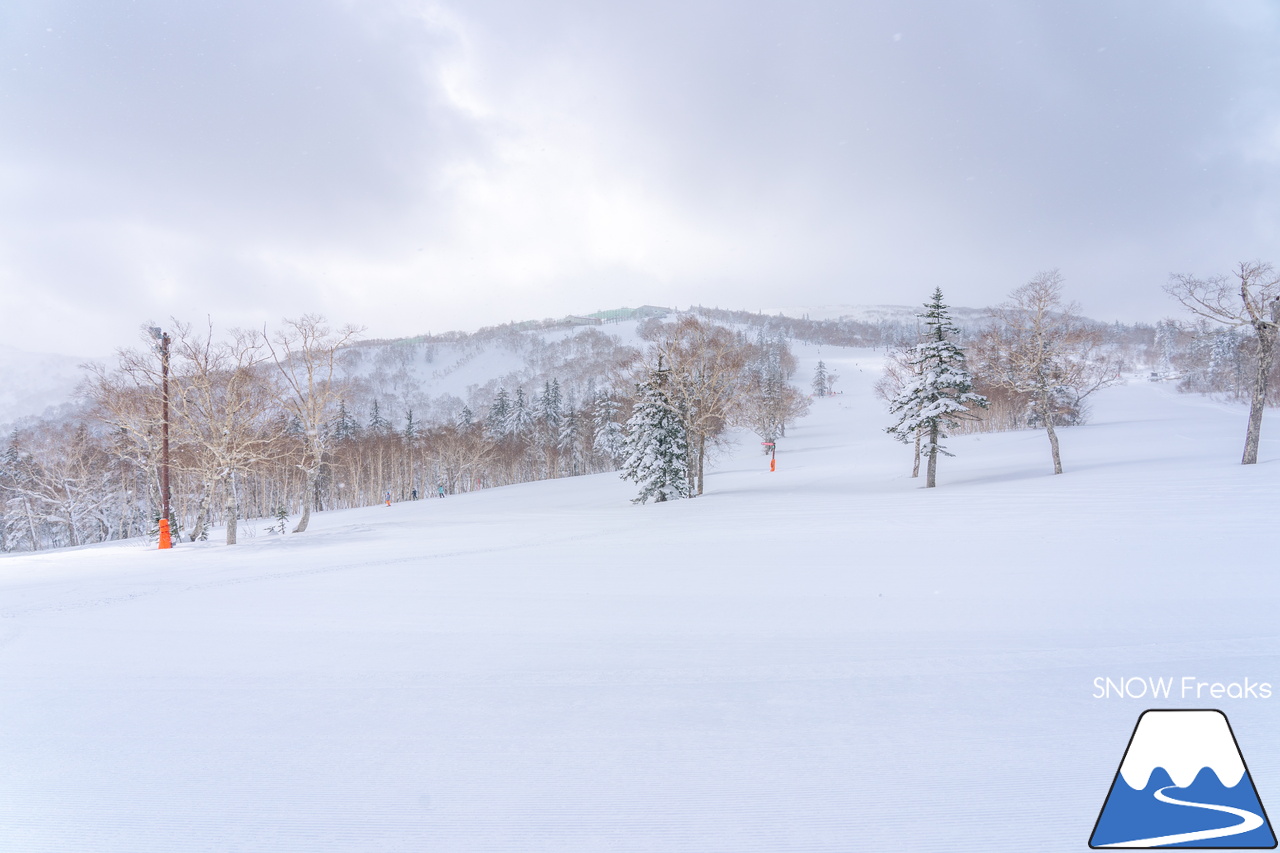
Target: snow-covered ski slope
[826, 658]
[412, 374]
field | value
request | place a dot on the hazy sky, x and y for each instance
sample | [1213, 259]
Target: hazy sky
[421, 166]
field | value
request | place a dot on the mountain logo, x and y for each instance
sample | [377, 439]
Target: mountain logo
[1183, 783]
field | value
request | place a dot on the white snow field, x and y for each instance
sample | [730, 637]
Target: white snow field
[825, 658]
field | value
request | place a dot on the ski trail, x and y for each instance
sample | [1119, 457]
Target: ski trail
[1249, 821]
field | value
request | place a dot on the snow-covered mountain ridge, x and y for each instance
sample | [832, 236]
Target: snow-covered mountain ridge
[32, 382]
[875, 313]
[446, 370]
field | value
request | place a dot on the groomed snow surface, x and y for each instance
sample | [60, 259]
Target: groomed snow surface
[825, 658]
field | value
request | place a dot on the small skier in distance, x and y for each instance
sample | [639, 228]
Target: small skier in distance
[440, 489]
[415, 494]
[388, 497]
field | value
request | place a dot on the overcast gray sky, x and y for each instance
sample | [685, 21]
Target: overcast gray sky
[423, 166]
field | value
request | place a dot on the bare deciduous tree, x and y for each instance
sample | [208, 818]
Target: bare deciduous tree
[1250, 297]
[767, 409]
[705, 364]
[62, 482]
[898, 372]
[128, 401]
[222, 408]
[1041, 347]
[459, 451]
[305, 350]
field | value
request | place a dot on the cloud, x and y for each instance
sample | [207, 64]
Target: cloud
[424, 165]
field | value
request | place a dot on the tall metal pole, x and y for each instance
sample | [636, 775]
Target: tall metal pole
[164, 440]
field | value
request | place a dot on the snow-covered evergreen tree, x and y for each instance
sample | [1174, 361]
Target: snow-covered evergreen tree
[344, 427]
[378, 425]
[496, 422]
[545, 427]
[547, 410]
[569, 442]
[939, 392]
[19, 524]
[1227, 363]
[1164, 346]
[820, 380]
[519, 418]
[607, 434]
[656, 447]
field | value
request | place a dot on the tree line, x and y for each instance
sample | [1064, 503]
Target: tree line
[1037, 360]
[272, 425]
[698, 380]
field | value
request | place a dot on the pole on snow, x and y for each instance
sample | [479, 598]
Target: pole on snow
[166, 513]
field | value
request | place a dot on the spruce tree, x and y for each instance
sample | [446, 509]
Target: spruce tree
[546, 422]
[519, 418]
[378, 425]
[345, 427]
[548, 410]
[499, 411]
[657, 452]
[569, 441]
[607, 435]
[940, 391]
[820, 380]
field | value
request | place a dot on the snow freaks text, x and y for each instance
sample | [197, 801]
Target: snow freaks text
[1186, 687]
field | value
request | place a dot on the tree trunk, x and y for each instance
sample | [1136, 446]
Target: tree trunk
[931, 476]
[702, 455]
[1266, 353]
[31, 525]
[691, 469]
[1046, 412]
[72, 536]
[308, 497]
[229, 505]
[915, 465]
[202, 512]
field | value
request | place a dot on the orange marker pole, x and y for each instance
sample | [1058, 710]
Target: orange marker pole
[165, 541]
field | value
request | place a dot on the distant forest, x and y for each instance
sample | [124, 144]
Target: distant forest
[311, 418]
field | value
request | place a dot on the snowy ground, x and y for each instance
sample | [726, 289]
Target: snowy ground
[826, 658]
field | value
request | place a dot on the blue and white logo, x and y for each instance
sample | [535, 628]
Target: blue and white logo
[1183, 783]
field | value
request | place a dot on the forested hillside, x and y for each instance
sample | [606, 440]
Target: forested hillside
[312, 417]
